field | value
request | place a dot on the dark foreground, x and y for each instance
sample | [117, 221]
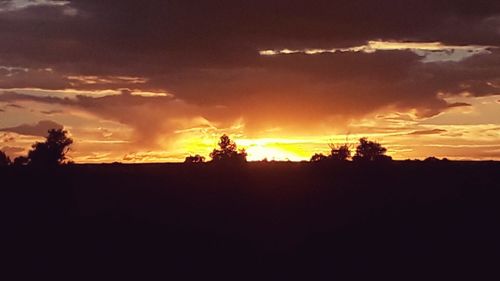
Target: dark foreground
[262, 221]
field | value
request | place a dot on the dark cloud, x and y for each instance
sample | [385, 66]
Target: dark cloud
[428, 132]
[51, 112]
[459, 104]
[206, 54]
[150, 117]
[39, 129]
[13, 96]
[13, 105]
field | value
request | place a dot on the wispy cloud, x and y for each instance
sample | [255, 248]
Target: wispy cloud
[149, 115]
[429, 51]
[428, 132]
[39, 129]
[15, 5]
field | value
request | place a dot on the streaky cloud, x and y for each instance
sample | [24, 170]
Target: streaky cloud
[429, 51]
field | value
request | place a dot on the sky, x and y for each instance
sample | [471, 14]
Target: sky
[155, 81]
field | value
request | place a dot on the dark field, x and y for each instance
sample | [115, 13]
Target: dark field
[260, 221]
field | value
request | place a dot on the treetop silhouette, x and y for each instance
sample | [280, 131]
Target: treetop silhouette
[370, 151]
[365, 151]
[228, 152]
[338, 153]
[318, 157]
[21, 161]
[53, 151]
[194, 159]
[4, 159]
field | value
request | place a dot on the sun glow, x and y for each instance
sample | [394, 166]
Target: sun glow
[274, 149]
[261, 152]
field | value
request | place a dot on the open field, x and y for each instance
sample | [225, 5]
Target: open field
[409, 220]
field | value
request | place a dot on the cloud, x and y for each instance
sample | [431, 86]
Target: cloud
[13, 105]
[150, 116]
[51, 112]
[39, 129]
[428, 132]
[5, 137]
[9, 70]
[429, 51]
[15, 5]
[205, 59]
[13, 151]
[459, 104]
[152, 156]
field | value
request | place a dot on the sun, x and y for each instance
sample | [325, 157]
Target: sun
[259, 152]
[257, 149]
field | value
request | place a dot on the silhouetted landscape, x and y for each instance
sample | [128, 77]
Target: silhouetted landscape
[274, 220]
[250, 140]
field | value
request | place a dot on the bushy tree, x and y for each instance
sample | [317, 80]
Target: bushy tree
[4, 159]
[53, 151]
[432, 159]
[340, 153]
[21, 161]
[370, 151]
[228, 152]
[194, 159]
[318, 157]
[337, 154]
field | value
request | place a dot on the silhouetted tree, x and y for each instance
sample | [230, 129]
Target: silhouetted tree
[432, 159]
[51, 152]
[21, 161]
[370, 151]
[4, 159]
[340, 153]
[337, 154]
[318, 157]
[194, 159]
[228, 152]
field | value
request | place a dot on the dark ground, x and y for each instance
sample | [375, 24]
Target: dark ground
[261, 221]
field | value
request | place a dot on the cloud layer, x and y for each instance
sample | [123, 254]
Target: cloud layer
[39, 129]
[288, 67]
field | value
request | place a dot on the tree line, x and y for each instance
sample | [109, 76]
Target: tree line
[53, 150]
[366, 151]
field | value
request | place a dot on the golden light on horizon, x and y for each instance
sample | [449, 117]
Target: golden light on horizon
[462, 132]
[257, 149]
[261, 152]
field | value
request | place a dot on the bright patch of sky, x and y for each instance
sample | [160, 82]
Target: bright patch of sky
[429, 51]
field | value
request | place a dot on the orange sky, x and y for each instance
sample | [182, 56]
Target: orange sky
[470, 132]
[156, 82]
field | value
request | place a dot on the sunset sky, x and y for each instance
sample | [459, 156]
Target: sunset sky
[155, 81]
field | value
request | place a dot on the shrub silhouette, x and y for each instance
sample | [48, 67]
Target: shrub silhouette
[340, 153]
[20, 161]
[432, 159]
[53, 151]
[228, 152]
[318, 157]
[337, 154]
[4, 159]
[370, 151]
[194, 159]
